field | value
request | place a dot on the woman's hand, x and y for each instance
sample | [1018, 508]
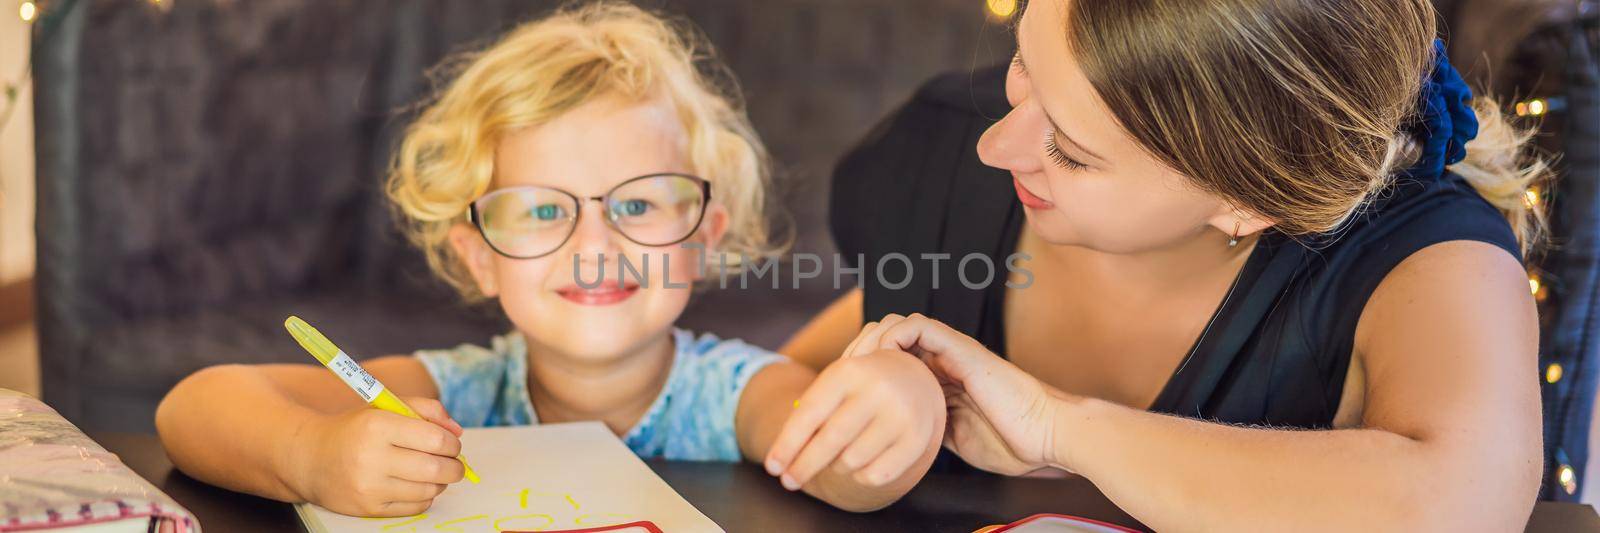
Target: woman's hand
[370, 462]
[1000, 418]
[878, 417]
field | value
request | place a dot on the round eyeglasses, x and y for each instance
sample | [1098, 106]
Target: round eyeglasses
[531, 221]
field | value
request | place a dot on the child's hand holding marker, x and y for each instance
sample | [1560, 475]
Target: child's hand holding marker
[370, 462]
[880, 416]
[389, 461]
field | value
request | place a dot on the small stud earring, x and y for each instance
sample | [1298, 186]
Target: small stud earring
[1233, 239]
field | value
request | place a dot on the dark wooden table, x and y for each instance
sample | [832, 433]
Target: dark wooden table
[741, 497]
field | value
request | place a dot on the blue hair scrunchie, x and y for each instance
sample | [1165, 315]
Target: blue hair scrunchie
[1445, 120]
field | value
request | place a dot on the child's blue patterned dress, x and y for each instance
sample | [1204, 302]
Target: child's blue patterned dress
[691, 420]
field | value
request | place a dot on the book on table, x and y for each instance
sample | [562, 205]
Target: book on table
[548, 477]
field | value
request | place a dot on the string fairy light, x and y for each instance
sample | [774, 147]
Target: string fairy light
[1568, 479]
[30, 10]
[1538, 107]
[1001, 10]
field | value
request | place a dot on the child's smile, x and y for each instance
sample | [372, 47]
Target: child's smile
[608, 292]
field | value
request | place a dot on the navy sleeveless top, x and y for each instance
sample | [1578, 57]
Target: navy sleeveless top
[1277, 349]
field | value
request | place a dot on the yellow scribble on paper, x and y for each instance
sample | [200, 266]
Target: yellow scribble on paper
[522, 497]
[451, 523]
[548, 521]
[405, 521]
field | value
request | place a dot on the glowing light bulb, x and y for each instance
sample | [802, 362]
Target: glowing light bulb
[1002, 9]
[1568, 478]
[1532, 108]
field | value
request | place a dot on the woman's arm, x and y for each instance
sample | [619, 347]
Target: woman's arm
[1451, 428]
[235, 425]
[1451, 425]
[859, 482]
[825, 337]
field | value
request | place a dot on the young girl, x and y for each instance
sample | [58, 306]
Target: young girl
[581, 141]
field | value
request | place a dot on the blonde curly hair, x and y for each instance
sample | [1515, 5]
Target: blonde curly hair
[552, 65]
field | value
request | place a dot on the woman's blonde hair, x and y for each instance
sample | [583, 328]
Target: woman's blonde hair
[552, 65]
[1292, 110]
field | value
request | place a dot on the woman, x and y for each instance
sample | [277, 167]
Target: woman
[1239, 213]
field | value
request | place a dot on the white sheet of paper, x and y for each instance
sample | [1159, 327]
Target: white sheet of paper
[549, 477]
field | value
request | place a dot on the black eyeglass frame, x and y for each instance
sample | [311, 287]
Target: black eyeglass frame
[579, 201]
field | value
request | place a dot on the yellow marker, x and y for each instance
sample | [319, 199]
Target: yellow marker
[353, 375]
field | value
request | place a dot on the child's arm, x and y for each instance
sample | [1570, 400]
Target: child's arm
[298, 433]
[882, 419]
[827, 335]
